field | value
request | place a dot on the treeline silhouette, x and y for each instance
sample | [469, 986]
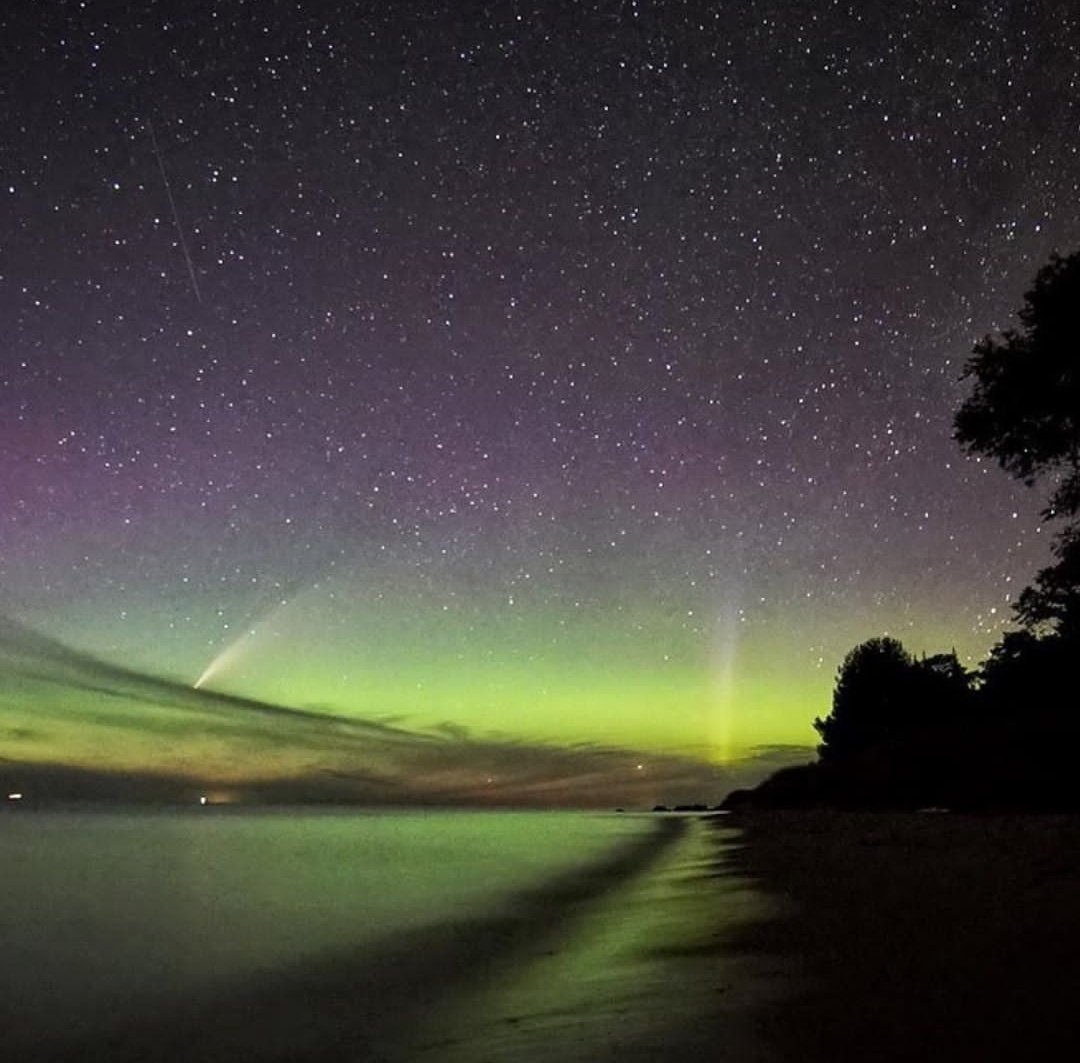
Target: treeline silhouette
[907, 732]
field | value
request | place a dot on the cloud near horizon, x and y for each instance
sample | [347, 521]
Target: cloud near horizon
[72, 724]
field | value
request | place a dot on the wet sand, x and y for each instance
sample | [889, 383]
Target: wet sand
[640, 973]
[918, 937]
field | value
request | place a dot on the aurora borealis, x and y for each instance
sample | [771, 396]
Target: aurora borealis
[542, 379]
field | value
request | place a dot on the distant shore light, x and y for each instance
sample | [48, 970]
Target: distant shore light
[15, 797]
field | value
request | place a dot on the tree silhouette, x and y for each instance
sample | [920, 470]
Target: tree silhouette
[871, 699]
[1025, 411]
[1025, 407]
[1028, 680]
[886, 702]
[1052, 603]
[904, 732]
[899, 726]
[942, 690]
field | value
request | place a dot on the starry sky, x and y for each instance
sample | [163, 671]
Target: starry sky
[550, 377]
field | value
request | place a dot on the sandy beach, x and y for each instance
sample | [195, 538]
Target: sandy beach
[813, 936]
[641, 972]
[919, 936]
[750, 938]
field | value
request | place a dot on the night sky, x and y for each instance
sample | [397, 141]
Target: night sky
[559, 377]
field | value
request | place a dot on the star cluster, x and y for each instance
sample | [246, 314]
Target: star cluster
[581, 371]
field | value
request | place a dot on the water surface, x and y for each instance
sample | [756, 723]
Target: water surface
[302, 935]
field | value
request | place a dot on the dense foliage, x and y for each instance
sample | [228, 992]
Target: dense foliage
[883, 693]
[1024, 411]
[1025, 407]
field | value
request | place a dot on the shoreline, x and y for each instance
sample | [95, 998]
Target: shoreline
[644, 974]
[756, 937]
[917, 936]
[621, 953]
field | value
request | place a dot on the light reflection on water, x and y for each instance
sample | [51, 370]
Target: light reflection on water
[308, 930]
[102, 913]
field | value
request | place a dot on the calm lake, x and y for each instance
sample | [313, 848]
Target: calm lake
[341, 935]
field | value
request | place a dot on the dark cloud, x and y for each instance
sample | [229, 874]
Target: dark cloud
[274, 752]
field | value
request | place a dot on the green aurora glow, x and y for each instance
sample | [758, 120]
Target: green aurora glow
[528, 399]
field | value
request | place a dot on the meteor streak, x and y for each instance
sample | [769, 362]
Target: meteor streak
[175, 215]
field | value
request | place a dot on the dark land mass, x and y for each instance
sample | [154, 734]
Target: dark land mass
[918, 936]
